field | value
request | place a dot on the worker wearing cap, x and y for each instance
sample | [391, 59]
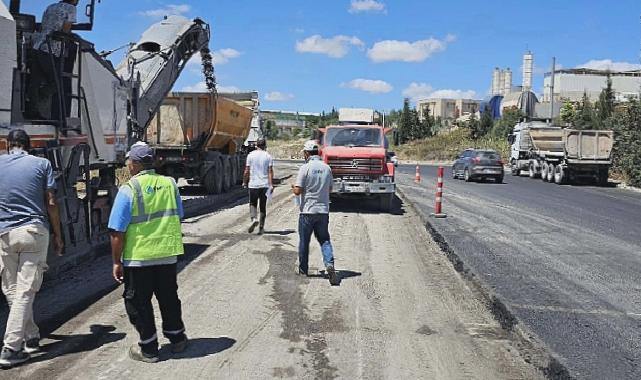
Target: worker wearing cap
[28, 210]
[146, 240]
[313, 185]
[259, 177]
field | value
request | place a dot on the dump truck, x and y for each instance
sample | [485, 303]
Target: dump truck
[200, 137]
[560, 155]
[356, 151]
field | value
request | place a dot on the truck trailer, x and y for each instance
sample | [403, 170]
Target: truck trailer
[560, 155]
[200, 137]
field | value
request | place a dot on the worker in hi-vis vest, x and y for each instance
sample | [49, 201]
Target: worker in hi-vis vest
[146, 240]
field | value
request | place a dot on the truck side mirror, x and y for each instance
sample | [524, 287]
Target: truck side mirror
[511, 139]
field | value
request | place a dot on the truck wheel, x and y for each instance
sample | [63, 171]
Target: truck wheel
[551, 169]
[603, 177]
[515, 170]
[559, 175]
[544, 172]
[226, 173]
[532, 170]
[241, 169]
[234, 170]
[386, 202]
[467, 176]
[212, 180]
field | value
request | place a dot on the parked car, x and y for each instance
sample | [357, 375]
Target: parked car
[478, 164]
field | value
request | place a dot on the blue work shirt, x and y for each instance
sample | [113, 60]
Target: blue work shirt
[24, 182]
[120, 218]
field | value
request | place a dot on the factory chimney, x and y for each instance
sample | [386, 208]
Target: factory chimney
[502, 82]
[495, 81]
[528, 66]
[507, 88]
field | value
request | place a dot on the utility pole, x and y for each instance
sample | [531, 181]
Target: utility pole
[552, 90]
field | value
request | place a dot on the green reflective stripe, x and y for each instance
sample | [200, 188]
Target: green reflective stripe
[139, 198]
[149, 217]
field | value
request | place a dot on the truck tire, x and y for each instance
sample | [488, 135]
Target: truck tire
[386, 202]
[532, 170]
[234, 170]
[226, 173]
[240, 169]
[551, 168]
[515, 170]
[212, 182]
[544, 171]
[603, 177]
[559, 175]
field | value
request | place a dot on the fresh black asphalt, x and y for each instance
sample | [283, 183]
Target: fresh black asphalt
[565, 259]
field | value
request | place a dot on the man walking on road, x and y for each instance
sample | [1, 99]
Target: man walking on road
[28, 209]
[313, 185]
[259, 177]
[146, 240]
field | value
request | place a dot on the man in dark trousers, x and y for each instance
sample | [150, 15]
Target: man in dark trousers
[259, 177]
[146, 241]
[313, 185]
[28, 212]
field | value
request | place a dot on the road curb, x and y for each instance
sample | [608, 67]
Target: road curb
[530, 348]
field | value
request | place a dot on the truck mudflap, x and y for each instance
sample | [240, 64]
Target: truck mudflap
[344, 187]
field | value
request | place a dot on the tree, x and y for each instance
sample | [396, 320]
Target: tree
[505, 125]
[605, 105]
[487, 122]
[474, 126]
[627, 147]
[270, 131]
[406, 123]
[428, 122]
[568, 113]
[585, 117]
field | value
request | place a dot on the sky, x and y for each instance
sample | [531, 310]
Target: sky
[314, 55]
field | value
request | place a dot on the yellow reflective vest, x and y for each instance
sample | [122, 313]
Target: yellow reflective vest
[154, 231]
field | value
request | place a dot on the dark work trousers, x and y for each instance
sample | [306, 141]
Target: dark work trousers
[256, 197]
[140, 285]
[318, 224]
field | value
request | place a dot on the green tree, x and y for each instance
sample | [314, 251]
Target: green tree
[270, 131]
[585, 116]
[504, 126]
[605, 105]
[427, 124]
[567, 113]
[474, 125]
[486, 123]
[406, 123]
[627, 147]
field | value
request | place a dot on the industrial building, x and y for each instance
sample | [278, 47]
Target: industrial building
[571, 84]
[286, 122]
[447, 109]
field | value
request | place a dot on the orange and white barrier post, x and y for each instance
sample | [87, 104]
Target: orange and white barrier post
[417, 177]
[438, 205]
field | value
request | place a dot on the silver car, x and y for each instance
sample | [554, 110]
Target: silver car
[478, 164]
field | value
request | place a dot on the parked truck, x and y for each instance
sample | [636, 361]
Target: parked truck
[560, 155]
[200, 137]
[356, 150]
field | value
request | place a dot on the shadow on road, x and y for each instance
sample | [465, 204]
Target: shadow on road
[342, 275]
[366, 206]
[198, 348]
[280, 233]
[99, 336]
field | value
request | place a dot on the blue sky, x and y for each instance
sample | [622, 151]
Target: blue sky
[313, 55]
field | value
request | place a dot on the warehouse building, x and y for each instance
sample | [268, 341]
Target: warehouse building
[571, 84]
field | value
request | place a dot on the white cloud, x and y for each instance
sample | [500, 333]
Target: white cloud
[416, 91]
[369, 85]
[169, 10]
[202, 87]
[276, 96]
[219, 57]
[405, 51]
[335, 47]
[366, 6]
[608, 64]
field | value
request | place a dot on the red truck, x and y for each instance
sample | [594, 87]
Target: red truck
[356, 150]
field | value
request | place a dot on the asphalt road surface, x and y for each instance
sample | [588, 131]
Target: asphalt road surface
[566, 260]
[400, 312]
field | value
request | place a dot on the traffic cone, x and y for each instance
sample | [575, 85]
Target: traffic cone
[417, 177]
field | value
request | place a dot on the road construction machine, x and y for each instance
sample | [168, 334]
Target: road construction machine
[81, 112]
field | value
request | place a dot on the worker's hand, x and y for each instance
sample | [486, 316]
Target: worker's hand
[58, 245]
[118, 273]
[244, 185]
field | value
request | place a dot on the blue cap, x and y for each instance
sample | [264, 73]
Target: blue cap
[141, 152]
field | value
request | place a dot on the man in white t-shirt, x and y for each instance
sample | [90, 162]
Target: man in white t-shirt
[259, 177]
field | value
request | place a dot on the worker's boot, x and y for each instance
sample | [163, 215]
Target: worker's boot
[261, 227]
